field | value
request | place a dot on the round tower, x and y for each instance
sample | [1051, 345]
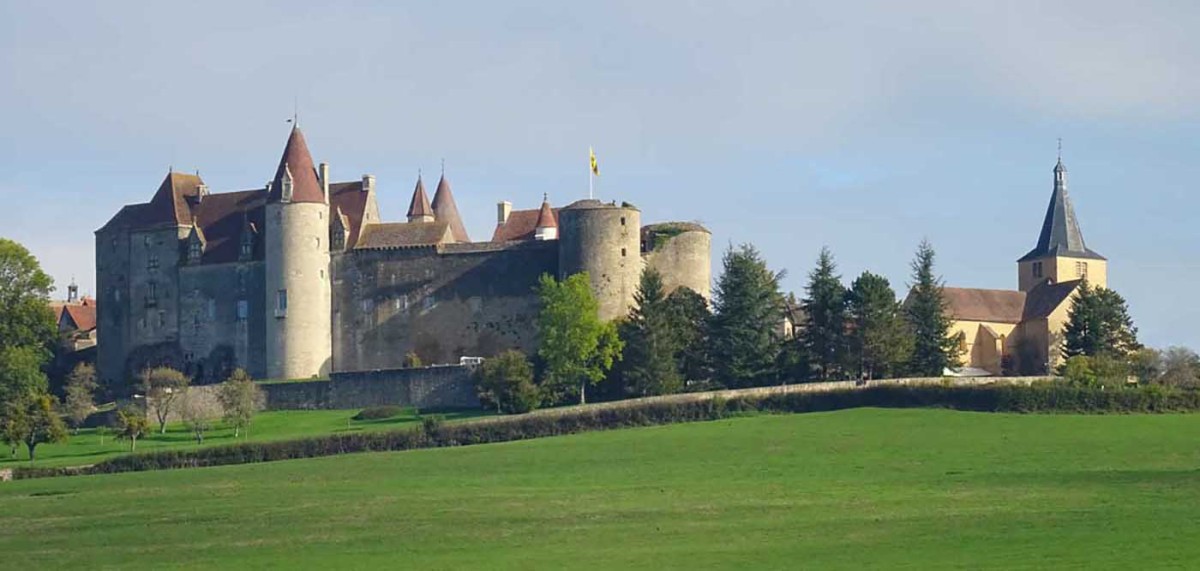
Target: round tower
[682, 253]
[298, 291]
[604, 241]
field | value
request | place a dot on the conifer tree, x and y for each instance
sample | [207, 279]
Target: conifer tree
[1099, 323]
[880, 342]
[823, 337]
[690, 318]
[934, 349]
[748, 310]
[650, 365]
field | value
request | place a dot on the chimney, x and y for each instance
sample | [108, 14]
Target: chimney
[323, 172]
[368, 184]
[503, 209]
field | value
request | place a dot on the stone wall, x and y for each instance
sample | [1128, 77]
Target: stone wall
[440, 302]
[431, 388]
[212, 335]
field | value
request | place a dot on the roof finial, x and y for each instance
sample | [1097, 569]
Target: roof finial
[1060, 149]
[443, 167]
[545, 197]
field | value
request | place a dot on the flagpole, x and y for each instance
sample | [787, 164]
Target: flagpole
[591, 183]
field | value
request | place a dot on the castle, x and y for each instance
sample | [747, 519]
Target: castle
[1020, 331]
[303, 278]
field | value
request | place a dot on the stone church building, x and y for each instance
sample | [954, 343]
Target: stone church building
[1020, 331]
[302, 277]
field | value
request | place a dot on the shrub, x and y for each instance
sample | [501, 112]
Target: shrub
[433, 432]
[379, 412]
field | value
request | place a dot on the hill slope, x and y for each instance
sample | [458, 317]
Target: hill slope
[850, 488]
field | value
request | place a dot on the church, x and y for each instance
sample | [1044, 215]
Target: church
[1006, 332]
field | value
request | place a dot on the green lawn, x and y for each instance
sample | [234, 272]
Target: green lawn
[86, 448]
[864, 488]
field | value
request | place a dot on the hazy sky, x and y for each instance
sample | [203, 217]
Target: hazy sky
[861, 126]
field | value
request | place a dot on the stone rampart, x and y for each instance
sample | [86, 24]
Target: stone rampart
[447, 387]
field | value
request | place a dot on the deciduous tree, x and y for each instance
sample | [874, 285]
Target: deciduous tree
[163, 387]
[506, 382]
[747, 313]
[577, 347]
[198, 412]
[36, 422]
[132, 424]
[240, 400]
[80, 389]
[25, 316]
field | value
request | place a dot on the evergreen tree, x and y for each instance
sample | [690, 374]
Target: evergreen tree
[880, 342]
[823, 337]
[748, 310]
[649, 365]
[1099, 323]
[934, 349]
[576, 347]
[689, 315]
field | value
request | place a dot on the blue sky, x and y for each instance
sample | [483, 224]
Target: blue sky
[857, 125]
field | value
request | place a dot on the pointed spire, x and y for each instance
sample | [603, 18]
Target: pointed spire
[546, 227]
[297, 162]
[446, 211]
[1060, 235]
[419, 209]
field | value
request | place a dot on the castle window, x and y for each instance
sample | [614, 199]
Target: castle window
[194, 251]
[1037, 269]
[162, 318]
[243, 310]
[247, 248]
[622, 252]
[152, 262]
[281, 303]
[1081, 269]
[286, 191]
[622, 221]
[146, 241]
[151, 294]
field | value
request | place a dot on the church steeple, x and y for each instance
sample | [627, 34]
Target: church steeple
[1060, 254]
[419, 210]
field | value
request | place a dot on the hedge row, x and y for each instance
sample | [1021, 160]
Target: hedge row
[1039, 397]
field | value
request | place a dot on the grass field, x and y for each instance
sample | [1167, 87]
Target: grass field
[87, 448]
[856, 488]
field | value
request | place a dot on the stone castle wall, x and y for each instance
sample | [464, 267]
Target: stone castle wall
[441, 303]
[603, 240]
[432, 388]
[682, 255]
[297, 262]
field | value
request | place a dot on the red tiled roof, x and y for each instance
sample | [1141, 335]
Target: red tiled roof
[521, 225]
[995, 305]
[403, 235]
[296, 159]
[419, 206]
[446, 211]
[83, 317]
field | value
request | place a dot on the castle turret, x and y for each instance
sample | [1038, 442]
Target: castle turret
[604, 241]
[681, 252]
[546, 227]
[419, 209]
[446, 210]
[1060, 254]
[298, 320]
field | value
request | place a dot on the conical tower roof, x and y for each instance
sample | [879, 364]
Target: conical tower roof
[419, 206]
[446, 211]
[546, 218]
[1060, 234]
[298, 162]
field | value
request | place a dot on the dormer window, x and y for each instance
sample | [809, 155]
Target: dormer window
[247, 246]
[286, 189]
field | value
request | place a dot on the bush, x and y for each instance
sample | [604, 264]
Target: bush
[379, 412]
[433, 432]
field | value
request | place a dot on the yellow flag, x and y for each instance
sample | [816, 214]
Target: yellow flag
[595, 167]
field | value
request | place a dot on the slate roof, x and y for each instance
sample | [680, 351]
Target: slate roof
[403, 235]
[296, 159]
[419, 205]
[1044, 298]
[446, 210]
[1060, 234]
[350, 198]
[975, 304]
[221, 219]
